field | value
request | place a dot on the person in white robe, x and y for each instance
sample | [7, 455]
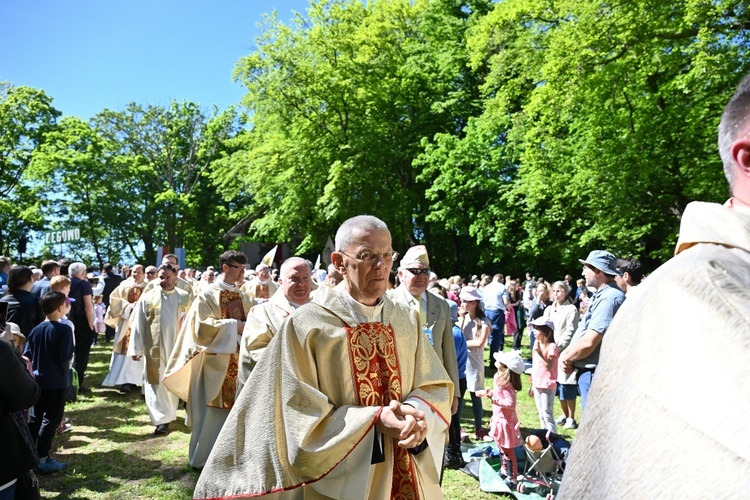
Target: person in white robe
[203, 368]
[261, 287]
[265, 319]
[156, 323]
[124, 371]
[349, 400]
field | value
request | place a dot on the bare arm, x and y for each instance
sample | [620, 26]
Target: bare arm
[582, 348]
[481, 338]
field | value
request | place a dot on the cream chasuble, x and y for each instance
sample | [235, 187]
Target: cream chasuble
[671, 388]
[203, 368]
[307, 429]
[122, 368]
[262, 324]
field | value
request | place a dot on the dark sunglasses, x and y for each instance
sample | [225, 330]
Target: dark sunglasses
[417, 272]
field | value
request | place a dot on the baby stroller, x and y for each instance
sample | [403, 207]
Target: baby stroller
[545, 460]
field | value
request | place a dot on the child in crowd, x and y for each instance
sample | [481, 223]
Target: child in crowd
[504, 426]
[50, 348]
[99, 310]
[544, 358]
[62, 284]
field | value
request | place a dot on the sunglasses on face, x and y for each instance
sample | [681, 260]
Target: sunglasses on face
[419, 272]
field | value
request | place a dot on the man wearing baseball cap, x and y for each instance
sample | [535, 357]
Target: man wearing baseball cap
[599, 270]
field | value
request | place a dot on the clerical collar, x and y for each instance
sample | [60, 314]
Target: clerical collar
[363, 313]
[226, 286]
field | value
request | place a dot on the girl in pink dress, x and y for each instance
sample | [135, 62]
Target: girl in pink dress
[504, 425]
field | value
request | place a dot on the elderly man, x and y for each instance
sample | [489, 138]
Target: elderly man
[265, 319]
[582, 355]
[123, 370]
[156, 323]
[203, 367]
[674, 370]
[151, 273]
[82, 316]
[261, 287]
[345, 398]
[434, 316]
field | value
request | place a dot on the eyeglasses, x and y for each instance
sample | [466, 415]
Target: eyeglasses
[371, 257]
[235, 266]
[419, 272]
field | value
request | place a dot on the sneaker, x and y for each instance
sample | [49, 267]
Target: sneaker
[570, 424]
[560, 420]
[49, 466]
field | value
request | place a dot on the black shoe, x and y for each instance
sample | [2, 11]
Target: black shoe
[162, 429]
[84, 390]
[126, 388]
[452, 461]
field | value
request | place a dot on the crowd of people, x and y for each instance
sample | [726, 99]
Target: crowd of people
[350, 383]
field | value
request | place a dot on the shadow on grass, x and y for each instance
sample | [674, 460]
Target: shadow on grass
[104, 472]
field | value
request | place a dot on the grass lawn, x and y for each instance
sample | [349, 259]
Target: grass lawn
[112, 451]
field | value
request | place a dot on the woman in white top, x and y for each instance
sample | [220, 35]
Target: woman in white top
[565, 317]
[476, 330]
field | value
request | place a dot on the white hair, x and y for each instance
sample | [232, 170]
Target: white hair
[345, 234]
[76, 268]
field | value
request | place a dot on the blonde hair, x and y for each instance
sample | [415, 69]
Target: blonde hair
[57, 283]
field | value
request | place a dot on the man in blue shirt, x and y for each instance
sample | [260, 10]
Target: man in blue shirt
[599, 270]
[50, 269]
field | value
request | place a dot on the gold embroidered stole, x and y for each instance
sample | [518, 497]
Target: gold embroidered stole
[121, 347]
[377, 379]
[261, 291]
[225, 399]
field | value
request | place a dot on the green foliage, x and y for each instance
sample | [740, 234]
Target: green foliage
[26, 114]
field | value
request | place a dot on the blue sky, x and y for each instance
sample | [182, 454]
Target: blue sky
[93, 55]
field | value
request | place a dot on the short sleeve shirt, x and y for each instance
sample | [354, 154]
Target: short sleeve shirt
[602, 308]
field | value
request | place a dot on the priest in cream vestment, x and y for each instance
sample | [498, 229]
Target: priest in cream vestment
[124, 370]
[265, 319]
[156, 323]
[670, 400]
[349, 400]
[203, 367]
[261, 287]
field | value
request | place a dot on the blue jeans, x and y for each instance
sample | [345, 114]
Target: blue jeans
[584, 384]
[497, 335]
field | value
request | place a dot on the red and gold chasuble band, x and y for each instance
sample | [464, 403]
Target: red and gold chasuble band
[374, 362]
[121, 347]
[229, 302]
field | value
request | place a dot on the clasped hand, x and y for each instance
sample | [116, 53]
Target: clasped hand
[403, 422]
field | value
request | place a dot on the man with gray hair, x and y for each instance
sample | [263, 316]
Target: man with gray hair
[261, 287]
[345, 397]
[674, 369]
[82, 316]
[265, 319]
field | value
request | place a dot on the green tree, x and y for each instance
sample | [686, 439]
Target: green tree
[599, 125]
[340, 103]
[26, 114]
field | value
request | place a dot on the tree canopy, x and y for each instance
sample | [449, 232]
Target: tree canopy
[506, 136]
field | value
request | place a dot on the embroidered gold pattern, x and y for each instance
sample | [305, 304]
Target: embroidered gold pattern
[374, 360]
[229, 386]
